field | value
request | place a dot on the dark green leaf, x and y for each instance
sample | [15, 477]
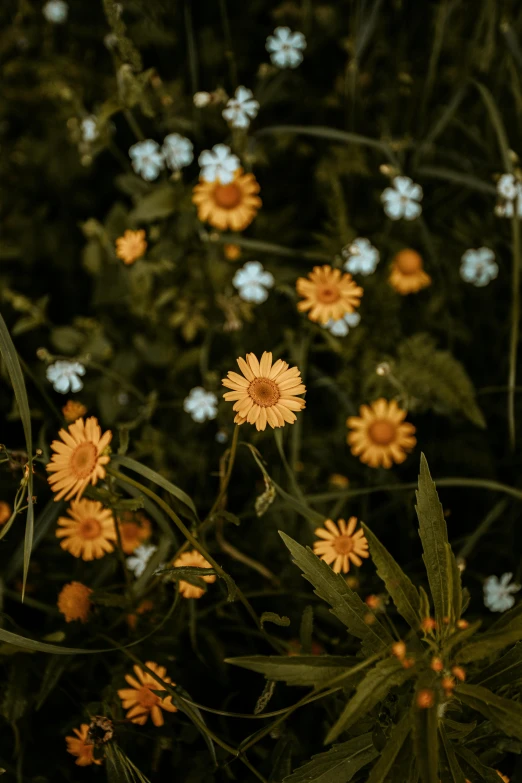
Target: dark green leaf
[298, 669]
[272, 617]
[425, 735]
[504, 671]
[504, 713]
[159, 204]
[473, 764]
[391, 750]
[337, 765]
[156, 478]
[449, 761]
[489, 643]
[184, 571]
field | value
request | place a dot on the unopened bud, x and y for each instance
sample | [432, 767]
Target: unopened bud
[425, 699]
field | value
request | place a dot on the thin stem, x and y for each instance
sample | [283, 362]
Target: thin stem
[483, 528]
[515, 319]
[229, 51]
[295, 438]
[133, 125]
[114, 376]
[228, 474]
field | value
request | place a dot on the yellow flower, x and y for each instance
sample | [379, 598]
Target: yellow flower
[74, 602]
[134, 530]
[89, 532]
[339, 481]
[193, 558]
[265, 393]
[140, 701]
[79, 458]
[78, 746]
[328, 294]
[131, 246]
[232, 206]
[340, 544]
[5, 512]
[380, 436]
[72, 410]
[504, 777]
[232, 252]
[407, 273]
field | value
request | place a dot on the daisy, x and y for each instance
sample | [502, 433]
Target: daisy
[195, 559]
[140, 699]
[340, 545]
[252, 282]
[146, 159]
[361, 257]
[134, 530]
[265, 393]
[218, 164]
[5, 512]
[74, 602]
[178, 151]
[407, 274]
[140, 558]
[328, 294]
[56, 11]
[131, 246]
[498, 593]
[402, 200]
[241, 108]
[232, 206]
[285, 47]
[80, 747]
[201, 404]
[89, 129]
[380, 436]
[73, 410]
[64, 376]
[88, 532]
[78, 459]
[479, 266]
[341, 327]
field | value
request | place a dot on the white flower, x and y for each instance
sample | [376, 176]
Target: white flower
[509, 190]
[218, 164]
[241, 108]
[89, 129]
[147, 159]
[341, 327]
[498, 593]
[507, 187]
[202, 99]
[286, 48]
[201, 404]
[402, 200]
[177, 151]
[361, 257]
[64, 376]
[479, 266]
[137, 562]
[56, 11]
[252, 282]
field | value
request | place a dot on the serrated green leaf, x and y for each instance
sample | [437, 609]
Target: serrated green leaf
[425, 735]
[337, 765]
[460, 636]
[456, 730]
[179, 572]
[272, 617]
[298, 669]
[489, 643]
[486, 774]
[504, 713]
[391, 750]
[504, 671]
[159, 204]
[456, 582]
[449, 761]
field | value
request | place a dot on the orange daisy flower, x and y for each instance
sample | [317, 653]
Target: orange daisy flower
[195, 559]
[131, 246]
[79, 459]
[89, 531]
[134, 530]
[328, 294]
[380, 436]
[232, 252]
[74, 602]
[266, 392]
[72, 410]
[80, 747]
[232, 206]
[340, 545]
[139, 699]
[5, 512]
[407, 272]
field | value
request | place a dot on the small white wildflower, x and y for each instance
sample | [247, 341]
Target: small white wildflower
[241, 108]
[201, 404]
[202, 99]
[402, 200]
[286, 48]
[509, 191]
[89, 129]
[64, 376]
[177, 151]
[479, 266]
[342, 326]
[221, 436]
[137, 562]
[361, 257]
[56, 11]
[218, 164]
[507, 187]
[147, 159]
[252, 282]
[498, 593]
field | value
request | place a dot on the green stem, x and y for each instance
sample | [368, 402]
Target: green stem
[229, 51]
[295, 438]
[484, 526]
[133, 125]
[269, 247]
[114, 376]
[515, 319]
[228, 474]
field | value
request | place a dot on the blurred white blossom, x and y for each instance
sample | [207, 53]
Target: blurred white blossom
[509, 191]
[285, 47]
[64, 376]
[56, 11]
[178, 151]
[402, 199]
[147, 159]
[241, 108]
[342, 326]
[479, 266]
[202, 99]
[498, 593]
[89, 129]
[218, 164]
[361, 257]
[253, 282]
[137, 562]
[201, 404]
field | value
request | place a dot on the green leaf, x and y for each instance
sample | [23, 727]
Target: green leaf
[456, 730]
[159, 204]
[372, 690]
[345, 604]
[449, 760]
[460, 636]
[489, 643]
[337, 765]
[156, 478]
[504, 713]
[506, 670]
[404, 594]
[313, 670]
[272, 617]
[425, 736]
[184, 571]
[486, 774]
[391, 750]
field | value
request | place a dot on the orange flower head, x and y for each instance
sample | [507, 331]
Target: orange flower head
[459, 673]
[399, 650]
[425, 699]
[131, 246]
[428, 624]
[407, 273]
[328, 294]
[339, 481]
[88, 532]
[134, 530]
[5, 512]
[448, 683]
[407, 663]
[74, 602]
[437, 664]
[73, 410]
[195, 559]
[79, 458]
[232, 206]
[341, 544]
[462, 624]
[139, 699]
[266, 393]
[79, 746]
[232, 252]
[373, 602]
[379, 436]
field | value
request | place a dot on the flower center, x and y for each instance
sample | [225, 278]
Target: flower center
[408, 262]
[146, 698]
[343, 545]
[382, 432]
[227, 196]
[328, 294]
[89, 529]
[83, 460]
[264, 392]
